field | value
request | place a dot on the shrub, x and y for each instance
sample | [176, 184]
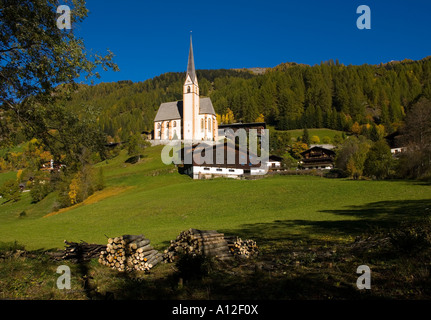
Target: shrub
[39, 191]
[412, 237]
[10, 190]
[336, 173]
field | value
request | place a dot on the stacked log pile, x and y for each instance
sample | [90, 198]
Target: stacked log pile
[82, 251]
[242, 248]
[194, 241]
[129, 253]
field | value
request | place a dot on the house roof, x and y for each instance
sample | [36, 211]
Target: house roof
[174, 110]
[274, 157]
[219, 156]
[327, 151]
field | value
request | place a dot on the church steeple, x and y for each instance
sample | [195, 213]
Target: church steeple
[191, 64]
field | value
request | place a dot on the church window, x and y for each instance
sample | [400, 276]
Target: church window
[209, 124]
[188, 89]
[159, 126]
[202, 125]
[175, 124]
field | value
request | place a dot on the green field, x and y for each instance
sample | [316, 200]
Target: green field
[155, 200]
[321, 133]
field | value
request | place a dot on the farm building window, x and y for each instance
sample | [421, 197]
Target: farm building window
[206, 168]
[231, 170]
[219, 170]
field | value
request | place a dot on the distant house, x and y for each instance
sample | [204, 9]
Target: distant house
[51, 166]
[274, 163]
[219, 164]
[317, 158]
[395, 142]
[326, 146]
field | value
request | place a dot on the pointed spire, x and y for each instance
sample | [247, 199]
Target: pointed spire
[191, 64]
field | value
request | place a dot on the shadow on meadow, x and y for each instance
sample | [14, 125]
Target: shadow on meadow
[300, 259]
[305, 260]
[359, 220]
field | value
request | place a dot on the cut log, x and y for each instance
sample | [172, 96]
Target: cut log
[129, 253]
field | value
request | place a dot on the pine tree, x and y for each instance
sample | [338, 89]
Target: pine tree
[306, 136]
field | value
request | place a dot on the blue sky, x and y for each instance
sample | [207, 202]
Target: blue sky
[150, 38]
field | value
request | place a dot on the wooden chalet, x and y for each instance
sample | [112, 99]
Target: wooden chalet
[317, 158]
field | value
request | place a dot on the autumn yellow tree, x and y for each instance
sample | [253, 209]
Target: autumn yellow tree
[229, 117]
[226, 118]
[297, 148]
[356, 129]
[315, 140]
[75, 189]
[260, 118]
[218, 117]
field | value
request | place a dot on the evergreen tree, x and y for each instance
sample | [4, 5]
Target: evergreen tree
[305, 136]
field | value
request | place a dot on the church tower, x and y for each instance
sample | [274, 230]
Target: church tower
[191, 100]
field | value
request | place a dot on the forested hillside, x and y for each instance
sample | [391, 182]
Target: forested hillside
[289, 96]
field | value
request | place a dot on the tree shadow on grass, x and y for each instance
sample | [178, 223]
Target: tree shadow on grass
[298, 260]
[360, 219]
[387, 210]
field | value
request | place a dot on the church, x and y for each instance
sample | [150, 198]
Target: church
[192, 119]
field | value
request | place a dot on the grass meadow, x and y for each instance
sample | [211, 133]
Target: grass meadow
[284, 214]
[153, 199]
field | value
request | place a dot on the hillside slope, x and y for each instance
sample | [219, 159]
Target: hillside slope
[152, 198]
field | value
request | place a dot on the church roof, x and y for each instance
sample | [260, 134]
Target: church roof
[206, 106]
[174, 110]
[170, 111]
[191, 64]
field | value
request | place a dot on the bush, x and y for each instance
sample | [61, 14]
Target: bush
[39, 191]
[336, 173]
[10, 190]
[412, 237]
